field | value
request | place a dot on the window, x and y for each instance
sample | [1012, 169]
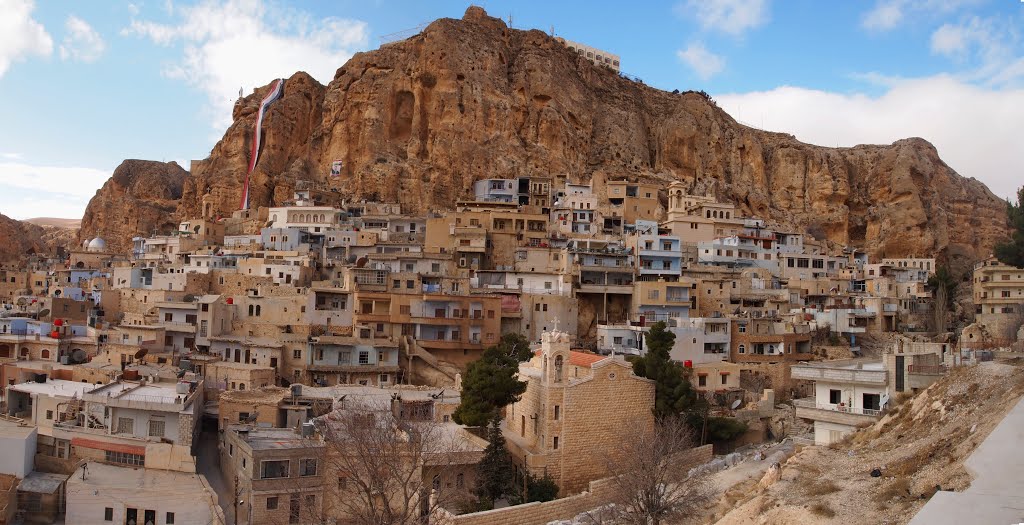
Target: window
[652, 294]
[156, 428]
[835, 396]
[307, 467]
[272, 503]
[108, 514]
[364, 357]
[743, 349]
[557, 412]
[169, 518]
[296, 354]
[725, 378]
[702, 380]
[274, 469]
[125, 458]
[554, 443]
[125, 425]
[741, 328]
[460, 479]
[242, 416]
[49, 414]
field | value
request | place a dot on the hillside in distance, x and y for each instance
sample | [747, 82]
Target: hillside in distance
[419, 120]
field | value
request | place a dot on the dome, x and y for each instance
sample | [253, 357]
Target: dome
[97, 245]
[85, 244]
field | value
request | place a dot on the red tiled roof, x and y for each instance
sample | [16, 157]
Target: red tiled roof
[586, 359]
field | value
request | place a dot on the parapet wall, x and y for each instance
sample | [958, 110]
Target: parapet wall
[600, 492]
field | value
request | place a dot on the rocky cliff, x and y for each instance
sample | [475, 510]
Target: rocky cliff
[140, 198]
[23, 238]
[418, 121]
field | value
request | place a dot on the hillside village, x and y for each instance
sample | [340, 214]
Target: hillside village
[238, 369]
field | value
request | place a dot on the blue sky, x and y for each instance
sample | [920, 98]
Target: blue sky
[85, 85]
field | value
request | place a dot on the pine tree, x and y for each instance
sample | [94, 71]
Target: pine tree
[494, 471]
[1012, 251]
[673, 394]
[491, 383]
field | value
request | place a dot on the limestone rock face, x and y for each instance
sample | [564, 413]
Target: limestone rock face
[418, 121]
[20, 239]
[140, 198]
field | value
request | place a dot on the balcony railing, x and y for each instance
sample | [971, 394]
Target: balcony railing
[811, 403]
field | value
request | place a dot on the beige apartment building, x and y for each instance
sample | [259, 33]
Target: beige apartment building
[998, 297]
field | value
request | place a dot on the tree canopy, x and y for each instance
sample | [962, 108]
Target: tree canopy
[491, 383]
[1012, 250]
[673, 393]
[494, 471]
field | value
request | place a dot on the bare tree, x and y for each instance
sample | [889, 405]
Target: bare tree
[651, 486]
[391, 466]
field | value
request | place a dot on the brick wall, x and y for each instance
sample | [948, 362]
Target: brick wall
[598, 493]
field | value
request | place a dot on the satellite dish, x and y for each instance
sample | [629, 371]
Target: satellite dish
[141, 353]
[22, 301]
[44, 312]
[56, 293]
[78, 355]
[736, 404]
[188, 298]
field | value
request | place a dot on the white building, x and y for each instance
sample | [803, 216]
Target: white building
[701, 340]
[18, 443]
[593, 54]
[847, 393]
[100, 494]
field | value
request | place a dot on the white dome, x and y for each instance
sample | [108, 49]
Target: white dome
[85, 244]
[97, 245]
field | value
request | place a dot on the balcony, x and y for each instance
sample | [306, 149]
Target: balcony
[841, 372]
[809, 408]
[178, 326]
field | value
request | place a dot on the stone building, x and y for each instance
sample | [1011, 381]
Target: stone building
[577, 409]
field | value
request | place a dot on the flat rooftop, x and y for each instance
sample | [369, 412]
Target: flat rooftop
[136, 479]
[54, 387]
[847, 364]
[260, 438]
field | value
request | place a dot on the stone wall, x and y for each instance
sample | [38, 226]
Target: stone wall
[598, 493]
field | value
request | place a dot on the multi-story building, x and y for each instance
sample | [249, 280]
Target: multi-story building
[657, 256]
[998, 291]
[847, 394]
[769, 340]
[593, 54]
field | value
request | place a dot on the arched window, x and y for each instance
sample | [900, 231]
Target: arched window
[45, 354]
[250, 310]
[257, 310]
[24, 351]
[241, 386]
[558, 368]
[743, 349]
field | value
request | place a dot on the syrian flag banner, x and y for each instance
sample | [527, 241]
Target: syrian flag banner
[275, 93]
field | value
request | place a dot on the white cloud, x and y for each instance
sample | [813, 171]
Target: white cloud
[134, 9]
[949, 40]
[21, 36]
[888, 14]
[988, 47]
[11, 156]
[245, 43]
[28, 191]
[81, 43]
[703, 62]
[734, 17]
[975, 129]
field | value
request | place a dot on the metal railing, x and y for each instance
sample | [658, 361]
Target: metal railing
[811, 403]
